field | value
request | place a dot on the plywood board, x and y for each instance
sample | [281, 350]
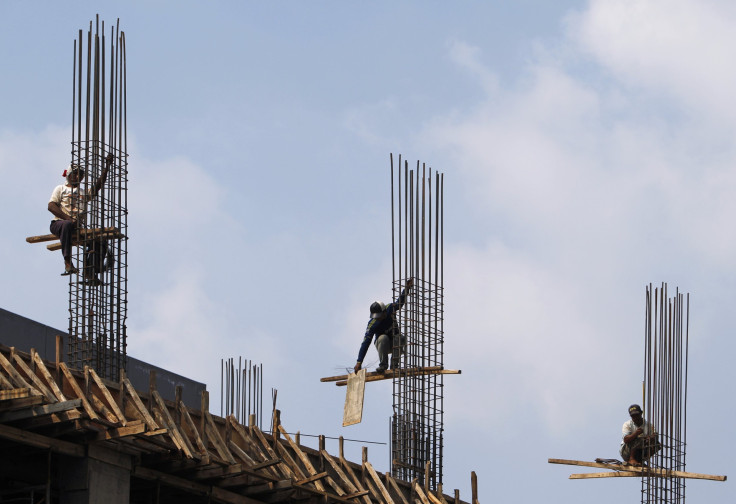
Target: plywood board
[353, 413]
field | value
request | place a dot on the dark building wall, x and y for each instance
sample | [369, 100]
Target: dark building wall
[24, 334]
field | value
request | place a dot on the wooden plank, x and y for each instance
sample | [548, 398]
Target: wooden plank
[80, 233]
[39, 441]
[40, 386]
[150, 422]
[189, 423]
[37, 411]
[615, 474]
[353, 410]
[420, 493]
[283, 467]
[379, 484]
[389, 372]
[103, 410]
[15, 377]
[390, 375]
[641, 470]
[312, 479]
[112, 404]
[356, 482]
[132, 429]
[7, 395]
[303, 457]
[216, 493]
[78, 391]
[5, 383]
[214, 435]
[395, 486]
[176, 436]
[47, 376]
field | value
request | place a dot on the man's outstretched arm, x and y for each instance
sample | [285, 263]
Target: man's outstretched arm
[103, 176]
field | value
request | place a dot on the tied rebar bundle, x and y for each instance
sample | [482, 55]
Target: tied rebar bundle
[417, 250]
[98, 294]
[665, 390]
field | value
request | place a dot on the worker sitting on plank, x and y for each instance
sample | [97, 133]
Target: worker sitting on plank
[639, 440]
[68, 204]
[385, 328]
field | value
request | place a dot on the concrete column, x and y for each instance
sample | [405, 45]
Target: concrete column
[102, 476]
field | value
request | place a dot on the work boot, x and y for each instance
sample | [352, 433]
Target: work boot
[381, 369]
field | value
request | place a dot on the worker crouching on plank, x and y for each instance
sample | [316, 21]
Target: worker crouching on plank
[639, 441]
[385, 328]
[68, 204]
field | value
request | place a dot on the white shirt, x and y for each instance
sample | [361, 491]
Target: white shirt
[72, 200]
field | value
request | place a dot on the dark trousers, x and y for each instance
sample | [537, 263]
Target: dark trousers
[64, 230]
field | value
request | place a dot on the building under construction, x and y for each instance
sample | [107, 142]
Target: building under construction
[82, 422]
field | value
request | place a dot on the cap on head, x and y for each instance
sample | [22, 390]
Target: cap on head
[635, 409]
[73, 168]
[377, 308]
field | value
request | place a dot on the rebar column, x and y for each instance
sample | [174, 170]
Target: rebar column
[665, 390]
[98, 295]
[418, 401]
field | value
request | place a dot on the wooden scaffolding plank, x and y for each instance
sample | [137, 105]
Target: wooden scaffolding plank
[81, 233]
[72, 382]
[40, 386]
[389, 375]
[615, 474]
[647, 471]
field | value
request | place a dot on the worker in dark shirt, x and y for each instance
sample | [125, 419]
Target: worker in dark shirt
[384, 327]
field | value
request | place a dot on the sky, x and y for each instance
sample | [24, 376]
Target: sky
[587, 149]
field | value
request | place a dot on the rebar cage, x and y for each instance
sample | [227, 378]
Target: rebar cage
[665, 390]
[418, 400]
[98, 294]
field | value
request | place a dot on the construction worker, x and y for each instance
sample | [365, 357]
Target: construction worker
[68, 204]
[384, 327]
[639, 441]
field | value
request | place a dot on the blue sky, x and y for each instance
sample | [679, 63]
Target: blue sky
[587, 150]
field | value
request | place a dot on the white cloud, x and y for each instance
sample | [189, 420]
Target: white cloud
[681, 48]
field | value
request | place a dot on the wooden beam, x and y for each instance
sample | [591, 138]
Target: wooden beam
[72, 382]
[217, 494]
[176, 436]
[37, 411]
[47, 375]
[132, 429]
[39, 441]
[19, 393]
[150, 422]
[81, 233]
[112, 404]
[614, 474]
[388, 375]
[14, 375]
[381, 488]
[305, 460]
[645, 471]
